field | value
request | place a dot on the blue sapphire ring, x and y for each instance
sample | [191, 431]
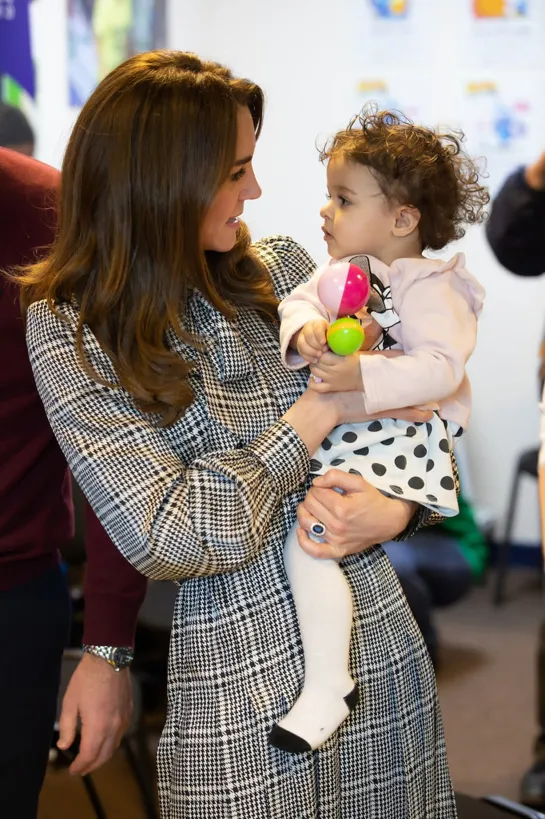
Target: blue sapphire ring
[318, 529]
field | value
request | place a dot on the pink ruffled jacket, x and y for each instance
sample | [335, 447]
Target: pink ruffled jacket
[432, 316]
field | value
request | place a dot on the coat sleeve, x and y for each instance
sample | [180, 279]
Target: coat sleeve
[516, 227]
[170, 520]
[439, 332]
[113, 589]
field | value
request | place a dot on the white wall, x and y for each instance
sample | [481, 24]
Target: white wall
[308, 57]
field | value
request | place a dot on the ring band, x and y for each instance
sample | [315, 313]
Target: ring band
[318, 529]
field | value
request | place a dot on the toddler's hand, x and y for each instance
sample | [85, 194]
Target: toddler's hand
[336, 373]
[312, 340]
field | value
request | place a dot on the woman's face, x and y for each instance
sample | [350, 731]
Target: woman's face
[219, 231]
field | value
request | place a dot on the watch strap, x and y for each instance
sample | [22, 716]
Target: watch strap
[118, 657]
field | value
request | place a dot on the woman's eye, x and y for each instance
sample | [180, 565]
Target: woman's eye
[238, 175]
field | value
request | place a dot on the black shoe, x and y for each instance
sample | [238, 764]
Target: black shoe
[532, 787]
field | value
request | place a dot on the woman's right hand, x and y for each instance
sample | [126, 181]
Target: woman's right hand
[350, 409]
[314, 414]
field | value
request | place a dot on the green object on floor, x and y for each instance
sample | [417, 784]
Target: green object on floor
[470, 539]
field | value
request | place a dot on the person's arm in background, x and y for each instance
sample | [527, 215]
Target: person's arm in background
[113, 588]
[97, 694]
[516, 225]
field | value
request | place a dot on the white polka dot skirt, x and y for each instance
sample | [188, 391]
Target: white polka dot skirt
[405, 460]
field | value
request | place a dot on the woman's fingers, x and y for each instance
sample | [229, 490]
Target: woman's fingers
[355, 519]
[322, 506]
[305, 519]
[336, 479]
[321, 551]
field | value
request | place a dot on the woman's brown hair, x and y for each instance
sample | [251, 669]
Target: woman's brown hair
[149, 151]
[416, 166]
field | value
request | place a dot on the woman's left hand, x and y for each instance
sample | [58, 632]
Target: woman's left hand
[355, 520]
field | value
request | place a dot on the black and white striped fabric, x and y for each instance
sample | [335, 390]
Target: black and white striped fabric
[209, 502]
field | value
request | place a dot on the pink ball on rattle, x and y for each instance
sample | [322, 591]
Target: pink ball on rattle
[343, 289]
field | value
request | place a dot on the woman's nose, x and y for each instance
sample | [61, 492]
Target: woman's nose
[252, 191]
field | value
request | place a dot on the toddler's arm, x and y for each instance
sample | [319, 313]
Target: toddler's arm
[300, 308]
[439, 330]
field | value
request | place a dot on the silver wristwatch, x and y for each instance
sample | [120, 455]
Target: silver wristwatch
[117, 657]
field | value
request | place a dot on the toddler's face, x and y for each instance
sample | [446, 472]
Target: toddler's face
[357, 217]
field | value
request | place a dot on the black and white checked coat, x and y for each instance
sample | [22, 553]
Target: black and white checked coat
[209, 502]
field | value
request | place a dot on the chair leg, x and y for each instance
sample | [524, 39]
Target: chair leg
[142, 770]
[504, 547]
[93, 797]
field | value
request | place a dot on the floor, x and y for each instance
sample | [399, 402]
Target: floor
[487, 685]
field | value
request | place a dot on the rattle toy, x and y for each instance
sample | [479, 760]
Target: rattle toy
[344, 289]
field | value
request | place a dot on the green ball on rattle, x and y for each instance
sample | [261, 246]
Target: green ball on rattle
[345, 336]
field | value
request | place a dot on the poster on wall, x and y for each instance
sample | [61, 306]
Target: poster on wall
[104, 33]
[396, 31]
[408, 94]
[500, 33]
[503, 119]
[16, 64]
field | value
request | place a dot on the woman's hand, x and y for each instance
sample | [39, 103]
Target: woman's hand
[313, 416]
[349, 408]
[359, 518]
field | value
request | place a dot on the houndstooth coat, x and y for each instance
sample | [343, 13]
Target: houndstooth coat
[209, 502]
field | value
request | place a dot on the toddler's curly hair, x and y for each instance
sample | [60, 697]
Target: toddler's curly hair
[416, 166]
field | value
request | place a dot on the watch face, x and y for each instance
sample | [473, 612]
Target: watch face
[121, 657]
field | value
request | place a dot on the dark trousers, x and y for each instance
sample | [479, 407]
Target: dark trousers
[34, 622]
[540, 742]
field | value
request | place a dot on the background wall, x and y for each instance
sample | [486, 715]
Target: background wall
[310, 58]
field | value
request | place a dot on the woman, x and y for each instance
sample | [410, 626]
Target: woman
[192, 443]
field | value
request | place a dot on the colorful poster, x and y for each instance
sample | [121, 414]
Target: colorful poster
[409, 94]
[104, 33]
[497, 33]
[500, 8]
[396, 32]
[503, 119]
[390, 9]
[15, 51]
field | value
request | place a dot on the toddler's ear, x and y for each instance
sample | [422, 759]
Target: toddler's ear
[406, 220]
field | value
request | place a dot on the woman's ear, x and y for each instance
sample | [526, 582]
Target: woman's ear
[407, 218]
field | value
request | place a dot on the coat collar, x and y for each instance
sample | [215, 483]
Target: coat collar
[225, 348]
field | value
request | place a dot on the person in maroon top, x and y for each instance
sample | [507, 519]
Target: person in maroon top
[36, 519]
